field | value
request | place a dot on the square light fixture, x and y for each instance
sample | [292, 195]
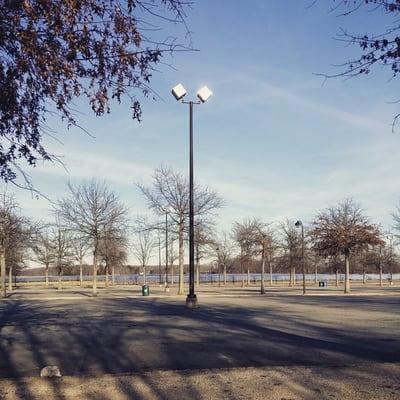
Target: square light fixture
[179, 92]
[204, 94]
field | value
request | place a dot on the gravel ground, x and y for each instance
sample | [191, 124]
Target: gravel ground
[369, 381]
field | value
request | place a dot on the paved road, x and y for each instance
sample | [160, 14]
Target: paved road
[117, 335]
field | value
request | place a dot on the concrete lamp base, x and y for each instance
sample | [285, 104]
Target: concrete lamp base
[191, 301]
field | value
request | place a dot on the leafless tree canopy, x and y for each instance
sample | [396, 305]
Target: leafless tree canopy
[396, 220]
[15, 231]
[93, 211]
[61, 240]
[342, 229]
[79, 247]
[225, 249]
[376, 49]
[113, 251]
[143, 245]
[54, 51]
[243, 234]
[170, 193]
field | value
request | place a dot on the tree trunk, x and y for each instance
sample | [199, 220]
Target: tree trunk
[80, 274]
[197, 265]
[294, 276]
[224, 274]
[181, 250]
[113, 275]
[94, 293]
[380, 275]
[364, 277]
[10, 278]
[172, 273]
[290, 275]
[347, 279]
[59, 279]
[262, 289]
[316, 274]
[197, 273]
[248, 276]
[3, 273]
[242, 266]
[107, 280]
[337, 278]
[270, 272]
[144, 275]
[47, 274]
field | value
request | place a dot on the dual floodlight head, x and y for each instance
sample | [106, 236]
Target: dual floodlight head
[179, 92]
[298, 224]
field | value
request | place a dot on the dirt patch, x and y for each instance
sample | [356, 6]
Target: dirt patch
[368, 381]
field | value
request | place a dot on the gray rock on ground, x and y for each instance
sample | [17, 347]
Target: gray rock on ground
[51, 371]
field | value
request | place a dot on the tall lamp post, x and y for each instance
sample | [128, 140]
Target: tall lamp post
[203, 95]
[299, 224]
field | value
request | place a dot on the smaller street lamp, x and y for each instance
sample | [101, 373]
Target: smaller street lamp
[299, 224]
[219, 266]
[390, 237]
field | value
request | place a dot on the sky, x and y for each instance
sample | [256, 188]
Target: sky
[276, 140]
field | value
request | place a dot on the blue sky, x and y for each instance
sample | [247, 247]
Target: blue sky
[275, 140]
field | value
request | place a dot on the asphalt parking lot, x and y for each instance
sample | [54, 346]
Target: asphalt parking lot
[232, 328]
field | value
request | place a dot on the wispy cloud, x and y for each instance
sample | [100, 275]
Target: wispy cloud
[259, 90]
[85, 165]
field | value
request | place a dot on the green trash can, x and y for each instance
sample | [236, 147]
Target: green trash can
[145, 290]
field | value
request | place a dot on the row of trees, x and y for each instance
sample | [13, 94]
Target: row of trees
[91, 221]
[339, 231]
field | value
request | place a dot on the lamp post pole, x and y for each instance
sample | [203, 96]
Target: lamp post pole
[303, 260]
[191, 300]
[300, 224]
[179, 92]
[390, 237]
[166, 251]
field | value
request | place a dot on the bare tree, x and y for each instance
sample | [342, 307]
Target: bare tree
[113, 252]
[61, 242]
[203, 240]
[224, 250]
[343, 229]
[243, 235]
[43, 248]
[170, 193]
[264, 237]
[291, 245]
[79, 248]
[396, 220]
[377, 257]
[143, 244]
[14, 236]
[95, 212]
